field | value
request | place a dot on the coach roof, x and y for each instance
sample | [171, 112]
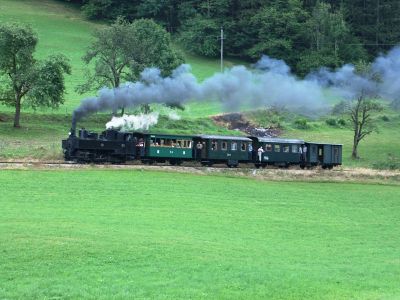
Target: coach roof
[281, 141]
[224, 137]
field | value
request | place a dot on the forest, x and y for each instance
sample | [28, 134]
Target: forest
[307, 34]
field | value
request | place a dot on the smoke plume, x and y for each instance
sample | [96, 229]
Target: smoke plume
[269, 82]
[129, 123]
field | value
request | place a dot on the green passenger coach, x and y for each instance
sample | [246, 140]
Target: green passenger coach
[163, 147]
[275, 151]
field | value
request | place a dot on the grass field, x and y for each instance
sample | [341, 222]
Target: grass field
[138, 234]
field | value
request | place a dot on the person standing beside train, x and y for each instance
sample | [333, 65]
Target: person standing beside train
[250, 149]
[199, 148]
[260, 153]
[304, 153]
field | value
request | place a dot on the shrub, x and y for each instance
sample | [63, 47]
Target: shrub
[331, 122]
[301, 123]
[385, 118]
[341, 122]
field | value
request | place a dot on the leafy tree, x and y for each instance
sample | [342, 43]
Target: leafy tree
[123, 50]
[279, 30]
[40, 83]
[329, 37]
[200, 35]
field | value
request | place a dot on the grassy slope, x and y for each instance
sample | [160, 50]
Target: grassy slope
[62, 29]
[107, 234]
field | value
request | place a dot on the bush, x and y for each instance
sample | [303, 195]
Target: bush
[301, 123]
[331, 122]
[385, 118]
[342, 122]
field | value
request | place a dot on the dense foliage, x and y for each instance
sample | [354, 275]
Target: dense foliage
[305, 33]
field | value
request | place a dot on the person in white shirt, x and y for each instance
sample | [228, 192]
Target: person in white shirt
[260, 152]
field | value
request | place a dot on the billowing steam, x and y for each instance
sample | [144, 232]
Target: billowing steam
[173, 116]
[129, 123]
[381, 80]
[270, 82]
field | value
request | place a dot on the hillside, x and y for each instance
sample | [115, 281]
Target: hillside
[61, 28]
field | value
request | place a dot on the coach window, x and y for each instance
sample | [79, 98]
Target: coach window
[243, 147]
[268, 147]
[295, 149]
[277, 148]
[214, 145]
[286, 148]
[224, 145]
[234, 146]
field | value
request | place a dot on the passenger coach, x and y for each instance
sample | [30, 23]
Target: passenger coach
[277, 152]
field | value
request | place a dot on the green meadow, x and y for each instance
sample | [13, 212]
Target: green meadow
[102, 234]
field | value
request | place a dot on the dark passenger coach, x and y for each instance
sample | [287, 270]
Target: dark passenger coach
[230, 150]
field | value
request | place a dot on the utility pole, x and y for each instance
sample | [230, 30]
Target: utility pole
[222, 49]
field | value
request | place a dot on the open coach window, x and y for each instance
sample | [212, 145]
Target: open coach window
[243, 146]
[268, 147]
[224, 145]
[214, 145]
[286, 148]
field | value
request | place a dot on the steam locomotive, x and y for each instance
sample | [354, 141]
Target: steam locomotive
[119, 147]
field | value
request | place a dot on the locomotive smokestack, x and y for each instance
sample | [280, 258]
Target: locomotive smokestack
[73, 126]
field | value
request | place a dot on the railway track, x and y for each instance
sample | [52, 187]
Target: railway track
[160, 165]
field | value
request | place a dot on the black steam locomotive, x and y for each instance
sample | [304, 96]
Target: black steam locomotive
[119, 147]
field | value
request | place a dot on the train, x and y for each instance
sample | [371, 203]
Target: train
[114, 146]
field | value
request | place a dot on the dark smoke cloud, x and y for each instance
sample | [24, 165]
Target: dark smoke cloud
[269, 82]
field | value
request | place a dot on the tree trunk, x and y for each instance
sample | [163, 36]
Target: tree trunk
[122, 111]
[17, 111]
[354, 154]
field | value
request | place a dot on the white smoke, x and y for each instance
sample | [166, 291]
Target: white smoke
[172, 115]
[130, 123]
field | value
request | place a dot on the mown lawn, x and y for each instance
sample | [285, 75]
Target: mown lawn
[140, 234]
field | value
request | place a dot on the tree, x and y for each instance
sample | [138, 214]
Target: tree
[330, 39]
[279, 29]
[361, 109]
[123, 50]
[200, 35]
[40, 83]
[361, 112]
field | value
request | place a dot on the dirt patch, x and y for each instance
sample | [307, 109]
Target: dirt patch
[237, 121]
